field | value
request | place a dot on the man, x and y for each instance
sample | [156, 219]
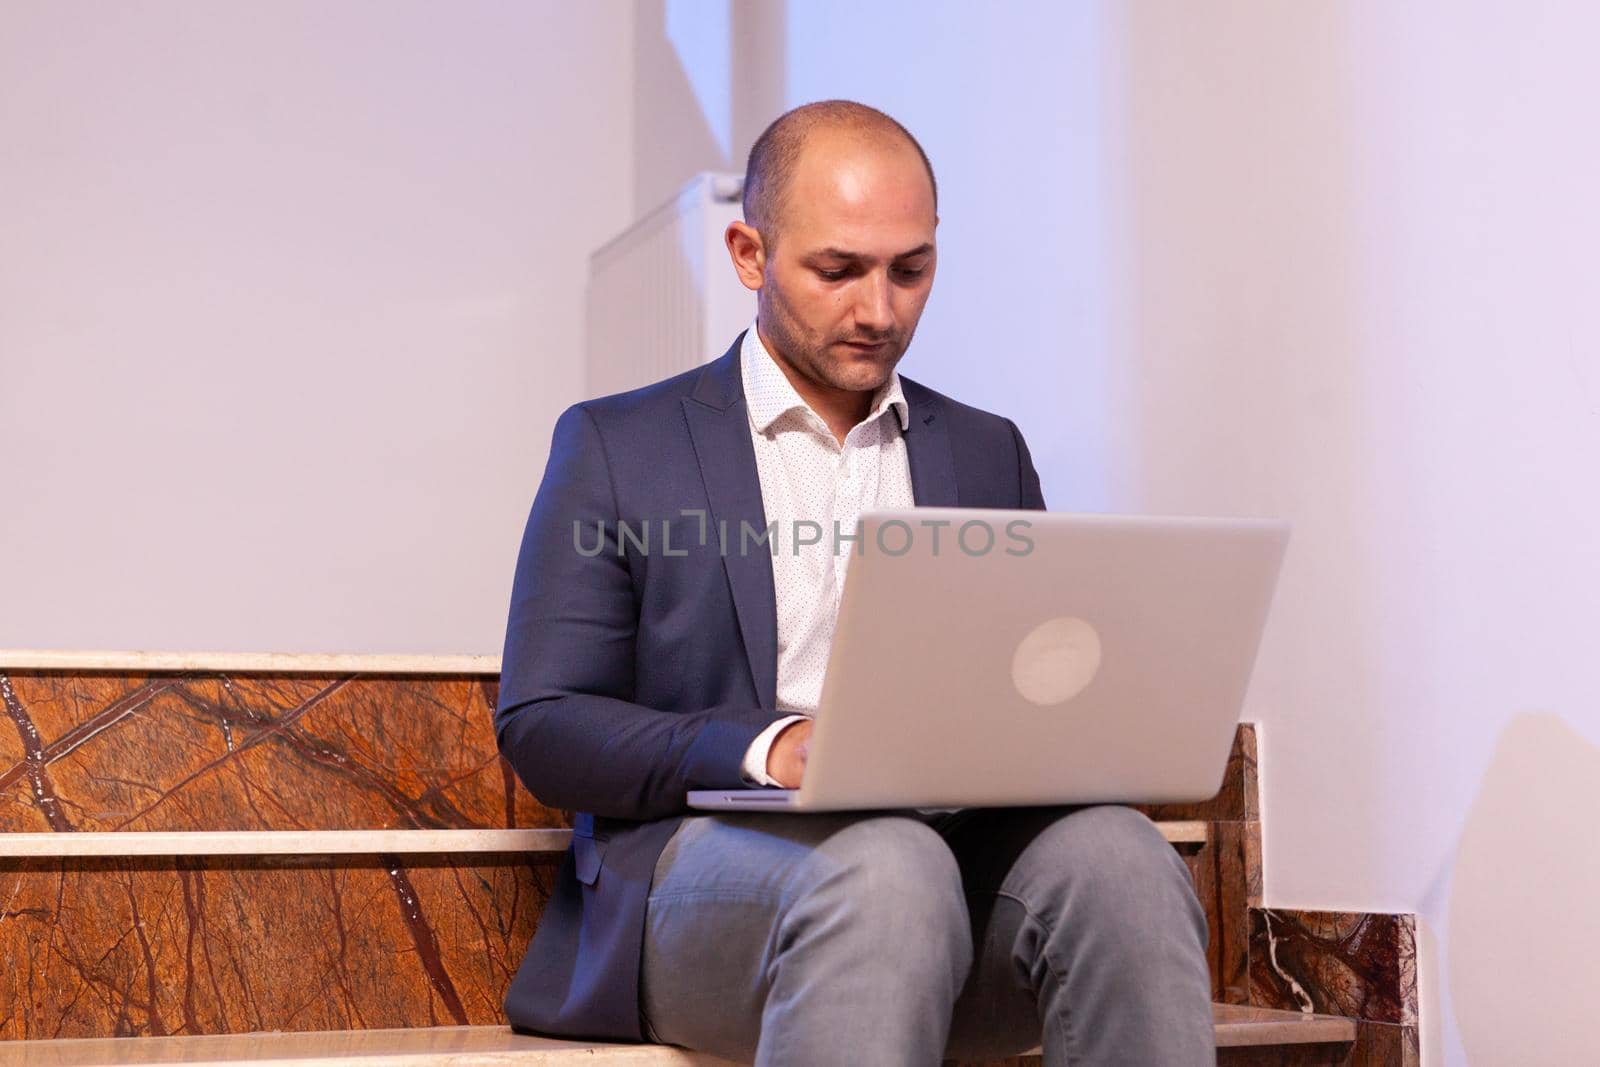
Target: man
[635, 671]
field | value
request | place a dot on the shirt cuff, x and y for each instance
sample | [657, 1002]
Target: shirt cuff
[754, 767]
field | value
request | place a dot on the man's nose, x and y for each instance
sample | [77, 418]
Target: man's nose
[874, 312]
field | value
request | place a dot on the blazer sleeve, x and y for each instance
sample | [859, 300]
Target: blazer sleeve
[565, 719]
[1028, 491]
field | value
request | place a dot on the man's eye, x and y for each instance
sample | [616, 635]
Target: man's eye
[830, 275]
[907, 272]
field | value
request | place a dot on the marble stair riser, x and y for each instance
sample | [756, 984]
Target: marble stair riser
[109, 751]
[120, 947]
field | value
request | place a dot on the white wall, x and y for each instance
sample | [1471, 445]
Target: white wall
[1011, 108]
[1331, 262]
[290, 295]
[1361, 296]
[708, 78]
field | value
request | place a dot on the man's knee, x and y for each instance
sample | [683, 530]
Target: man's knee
[1110, 860]
[889, 882]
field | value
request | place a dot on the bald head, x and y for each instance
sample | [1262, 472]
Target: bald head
[769, 179]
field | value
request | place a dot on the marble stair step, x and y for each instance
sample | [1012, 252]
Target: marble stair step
[186, 742]
[345, 842]
[1237, 1027]
[242, 851]
[209, 932]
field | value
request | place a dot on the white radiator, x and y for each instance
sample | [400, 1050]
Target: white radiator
[662, 295]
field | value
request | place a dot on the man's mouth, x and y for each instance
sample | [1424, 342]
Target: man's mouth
[867, 347]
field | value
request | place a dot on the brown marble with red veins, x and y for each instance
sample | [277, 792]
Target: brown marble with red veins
[105, 751]
[152, 946]
[1386, 1045]
[1226, 871]
[120, 947]
[1361, 965]
[186, 945]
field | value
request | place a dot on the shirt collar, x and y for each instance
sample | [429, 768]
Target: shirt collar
[769, 395]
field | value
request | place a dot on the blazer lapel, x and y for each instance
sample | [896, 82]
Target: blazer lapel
[933, 470]
[720, 429]
[719, 426]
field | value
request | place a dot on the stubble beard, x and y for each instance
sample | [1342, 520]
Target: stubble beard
[812, 356]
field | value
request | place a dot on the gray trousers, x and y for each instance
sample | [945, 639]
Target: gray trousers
[883, 939]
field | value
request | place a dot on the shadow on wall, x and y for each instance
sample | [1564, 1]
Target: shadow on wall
[672, 137]
[1524, 931]
[709, 77]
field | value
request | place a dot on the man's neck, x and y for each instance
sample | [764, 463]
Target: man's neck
[839, 409]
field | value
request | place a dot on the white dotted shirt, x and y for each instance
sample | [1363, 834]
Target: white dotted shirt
[809, 483]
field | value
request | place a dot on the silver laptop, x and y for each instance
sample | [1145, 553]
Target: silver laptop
[988, 658]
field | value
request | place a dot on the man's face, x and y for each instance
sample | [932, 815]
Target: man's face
[853, 264]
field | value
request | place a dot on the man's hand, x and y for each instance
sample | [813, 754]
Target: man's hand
[786, 759]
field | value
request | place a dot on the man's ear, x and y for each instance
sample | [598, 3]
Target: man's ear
[748, 252]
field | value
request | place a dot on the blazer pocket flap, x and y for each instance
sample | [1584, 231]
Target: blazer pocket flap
[586, 858]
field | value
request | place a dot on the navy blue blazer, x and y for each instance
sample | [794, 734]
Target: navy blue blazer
[637, 670]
